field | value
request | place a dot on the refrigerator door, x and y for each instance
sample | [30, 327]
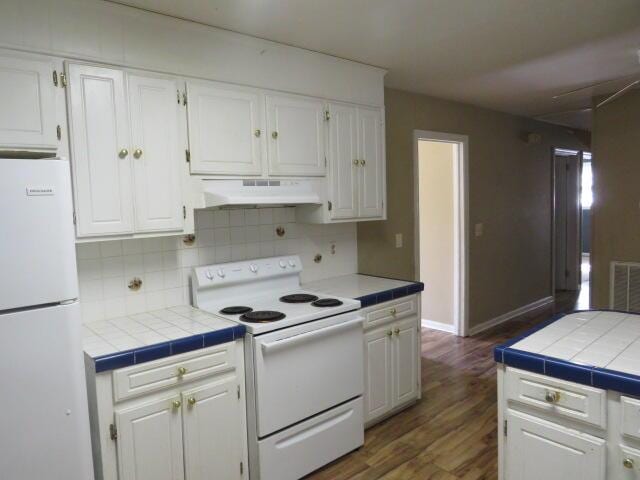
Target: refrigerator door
[44, 414]
[37, 247]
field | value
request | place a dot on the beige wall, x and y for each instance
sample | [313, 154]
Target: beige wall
[510, 265]
[435, 184]
[616, 207]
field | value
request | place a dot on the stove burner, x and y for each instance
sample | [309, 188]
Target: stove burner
[235, 310]
[262, 316]
[298, 298]
[327, 302]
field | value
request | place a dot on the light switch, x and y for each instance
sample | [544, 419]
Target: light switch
[479, 229]
[398, 240]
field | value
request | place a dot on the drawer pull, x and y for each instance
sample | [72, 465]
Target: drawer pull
[389, 333]
[552, 397]
[393, 311]
[191, 401]
[628, 463]
[397, 331]
[176, 404]
[181, 371]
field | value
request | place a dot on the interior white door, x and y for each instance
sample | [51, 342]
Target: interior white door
[156, 153]
[344, 163]
[100, 157]
[539, 449]
[405, 352]
[295, 128]
[213, 431]
[27, 97]
[371, 155]
[377, 373]
[225, 129]
[150, 441]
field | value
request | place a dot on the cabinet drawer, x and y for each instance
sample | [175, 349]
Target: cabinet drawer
[627, 465]
[630, 408]
[148, 377]
[557, 397]
[390, 311]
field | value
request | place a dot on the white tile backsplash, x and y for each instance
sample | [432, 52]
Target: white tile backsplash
[164, 263]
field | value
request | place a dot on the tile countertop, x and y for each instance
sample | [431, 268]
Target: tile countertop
[368, 289]
[600, 348]
[125, 341]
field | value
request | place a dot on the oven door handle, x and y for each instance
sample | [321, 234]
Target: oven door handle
[304, 337]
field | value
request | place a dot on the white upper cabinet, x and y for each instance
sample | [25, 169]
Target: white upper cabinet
[27, 103]
[127, 152]
[225, 129]
[343, 155]
[371, 153]
[156, 153]
[296, 136]
[100, 143]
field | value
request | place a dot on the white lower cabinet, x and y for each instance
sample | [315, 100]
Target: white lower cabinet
[391, 360]
[188, 424]
[538, 449]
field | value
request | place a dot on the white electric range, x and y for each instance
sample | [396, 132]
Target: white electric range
[303, 361]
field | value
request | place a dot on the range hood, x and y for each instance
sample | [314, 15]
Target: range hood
[259, 193]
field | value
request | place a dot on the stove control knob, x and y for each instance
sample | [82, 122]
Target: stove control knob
[282, 264]
[292, 263]
[253, 268]
[208, 274]
[221, 273]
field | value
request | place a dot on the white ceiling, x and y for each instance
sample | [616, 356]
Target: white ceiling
[508, 55]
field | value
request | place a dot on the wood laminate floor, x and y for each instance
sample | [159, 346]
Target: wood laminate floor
[451, 434]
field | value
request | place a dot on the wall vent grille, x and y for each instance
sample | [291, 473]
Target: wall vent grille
[625, 286]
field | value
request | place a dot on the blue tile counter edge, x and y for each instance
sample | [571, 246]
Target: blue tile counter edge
[386, 295]
[553, 367]
[147, 353]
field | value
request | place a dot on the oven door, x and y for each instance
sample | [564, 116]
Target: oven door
[306, 369]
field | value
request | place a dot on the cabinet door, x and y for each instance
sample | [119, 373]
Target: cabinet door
[156, 153]
[538, 449]
[27, 99]
[225, 129]
[371, 151]
[100, 156]
[295, 128]
[343, 158]
[377, 373]
[213, 431]
[405, 363]
[150, 441]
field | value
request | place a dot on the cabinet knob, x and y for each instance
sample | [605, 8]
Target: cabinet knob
[176, 404]
[182, 371]
[397, 331]
[552, 397]
[123, 152]
[191, 401]
[356, 162]
[257, 133]
[362, 162]
[393, 311]
[274, 135]
[628, 463]
[389, 333]
[137, 153]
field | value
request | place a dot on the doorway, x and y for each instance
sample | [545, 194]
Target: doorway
[572, 196]
[440, 171]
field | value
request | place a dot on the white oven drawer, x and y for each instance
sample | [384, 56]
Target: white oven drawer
[304, 370]
[305, 447]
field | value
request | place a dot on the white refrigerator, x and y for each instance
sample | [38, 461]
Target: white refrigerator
[44, 423]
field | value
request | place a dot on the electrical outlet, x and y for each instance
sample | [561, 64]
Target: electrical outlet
[398, 240]
[479, 229]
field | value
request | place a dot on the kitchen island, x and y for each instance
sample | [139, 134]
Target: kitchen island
[568, 399]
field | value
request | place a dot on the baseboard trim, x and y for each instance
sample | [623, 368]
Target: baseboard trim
[543, 302]
[443, 327]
